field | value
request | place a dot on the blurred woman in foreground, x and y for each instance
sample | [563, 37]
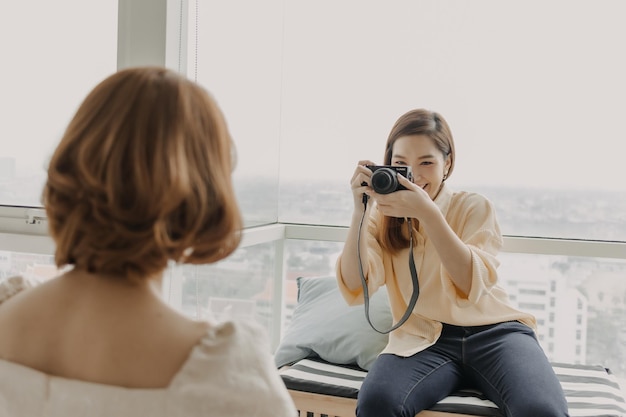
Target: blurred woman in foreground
[141, 177]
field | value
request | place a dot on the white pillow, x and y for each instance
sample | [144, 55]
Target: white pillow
[324, 325]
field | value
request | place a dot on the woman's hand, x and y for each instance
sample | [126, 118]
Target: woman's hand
[360, 184]
[414, 202]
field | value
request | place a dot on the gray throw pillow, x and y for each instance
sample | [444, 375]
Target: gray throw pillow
[324, 325]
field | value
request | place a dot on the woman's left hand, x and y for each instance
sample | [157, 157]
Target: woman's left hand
[414, 202]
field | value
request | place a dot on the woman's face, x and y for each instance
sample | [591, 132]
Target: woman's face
[426, 161]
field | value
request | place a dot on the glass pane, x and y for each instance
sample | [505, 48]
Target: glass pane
[237, 57]
[306, 258]
[54, 52]
[30, 265]
[535, 112]
[579, 303]
[239, 287]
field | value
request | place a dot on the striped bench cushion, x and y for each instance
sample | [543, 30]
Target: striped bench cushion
[590, 390]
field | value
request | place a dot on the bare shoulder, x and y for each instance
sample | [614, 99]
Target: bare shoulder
[23, 301]
[18, 297]
[97, 332]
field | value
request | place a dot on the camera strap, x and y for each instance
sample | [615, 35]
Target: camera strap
[416, 287]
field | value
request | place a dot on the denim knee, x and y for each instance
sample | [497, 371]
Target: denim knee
[546, 406]
[377, 405]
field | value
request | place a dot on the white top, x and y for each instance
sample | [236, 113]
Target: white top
[229, 373]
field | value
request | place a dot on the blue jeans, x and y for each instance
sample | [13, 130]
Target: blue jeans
[503, 360]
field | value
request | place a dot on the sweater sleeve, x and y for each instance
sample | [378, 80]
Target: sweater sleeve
[474, 220]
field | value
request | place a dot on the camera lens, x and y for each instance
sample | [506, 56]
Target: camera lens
[384, 181]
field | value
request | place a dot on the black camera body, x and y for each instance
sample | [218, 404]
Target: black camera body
[385, 179]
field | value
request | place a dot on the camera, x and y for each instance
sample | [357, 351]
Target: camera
[385, 179]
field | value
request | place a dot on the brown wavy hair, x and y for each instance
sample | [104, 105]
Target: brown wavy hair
[414, 122]
[142, 176]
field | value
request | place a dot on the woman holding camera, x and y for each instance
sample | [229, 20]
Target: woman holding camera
[462, 331]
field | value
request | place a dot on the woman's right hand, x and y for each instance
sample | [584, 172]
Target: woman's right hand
[349, 263]
[360, 184]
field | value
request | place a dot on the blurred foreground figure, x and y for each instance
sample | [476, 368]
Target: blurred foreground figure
[141, 178]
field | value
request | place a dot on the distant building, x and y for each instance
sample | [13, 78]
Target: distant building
[606, 291]
[561, 314]
[31, 265]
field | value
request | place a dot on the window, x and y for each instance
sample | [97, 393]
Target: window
[51, 60]
[39, 267]
[238, 58]
[531, 291]
[535, 112]
[241, 286]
